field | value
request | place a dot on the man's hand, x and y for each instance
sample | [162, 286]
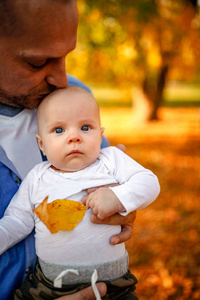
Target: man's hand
[126, 223]
[87, 293]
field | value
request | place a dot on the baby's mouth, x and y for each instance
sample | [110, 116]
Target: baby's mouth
[73, 152]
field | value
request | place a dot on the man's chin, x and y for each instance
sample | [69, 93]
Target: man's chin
[23, 101]
[32, 102]
[29, 102]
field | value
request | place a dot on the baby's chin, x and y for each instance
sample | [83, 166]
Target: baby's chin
[76, 168]
[71, 169]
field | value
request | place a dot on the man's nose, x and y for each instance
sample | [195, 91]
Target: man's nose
[74, 137]
[57, 73]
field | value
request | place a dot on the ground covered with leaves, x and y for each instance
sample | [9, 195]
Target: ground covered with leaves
[165, 249]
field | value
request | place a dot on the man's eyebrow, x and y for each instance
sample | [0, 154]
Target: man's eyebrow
[34, 53]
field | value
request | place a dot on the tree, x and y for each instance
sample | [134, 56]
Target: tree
[140, 42]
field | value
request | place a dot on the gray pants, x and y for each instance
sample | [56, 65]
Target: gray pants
[37, 287]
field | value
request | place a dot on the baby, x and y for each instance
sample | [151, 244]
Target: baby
[69, 134]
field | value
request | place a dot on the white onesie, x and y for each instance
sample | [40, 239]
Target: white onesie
[87, 247]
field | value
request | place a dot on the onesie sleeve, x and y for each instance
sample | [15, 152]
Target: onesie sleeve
[138, 187]
[18, 220]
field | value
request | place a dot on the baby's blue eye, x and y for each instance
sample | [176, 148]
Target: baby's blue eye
[58, 130]
[85, 128]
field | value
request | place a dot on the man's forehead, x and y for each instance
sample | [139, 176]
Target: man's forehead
[45, 8]
[19, 15]
[42, 31]
[36, 3]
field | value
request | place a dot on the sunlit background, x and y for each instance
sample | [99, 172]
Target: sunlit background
[141, 60]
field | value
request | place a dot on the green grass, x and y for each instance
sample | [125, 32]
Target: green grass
[184, 95]
[175, 95]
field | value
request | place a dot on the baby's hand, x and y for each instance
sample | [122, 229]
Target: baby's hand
[103, 202]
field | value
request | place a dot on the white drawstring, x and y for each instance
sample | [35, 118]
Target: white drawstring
[58, 280]
[93, 281]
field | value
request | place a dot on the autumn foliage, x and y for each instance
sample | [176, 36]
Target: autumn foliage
[164, 250]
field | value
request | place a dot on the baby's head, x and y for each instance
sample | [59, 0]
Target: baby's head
[69, 128]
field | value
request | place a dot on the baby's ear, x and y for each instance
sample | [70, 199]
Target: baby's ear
[102, 130]
[39, 139]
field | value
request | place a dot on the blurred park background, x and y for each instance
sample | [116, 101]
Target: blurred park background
[141, 59]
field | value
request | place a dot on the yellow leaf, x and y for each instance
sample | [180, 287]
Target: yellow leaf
[61, 214]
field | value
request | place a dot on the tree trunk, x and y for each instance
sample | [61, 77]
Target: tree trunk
[153, 89]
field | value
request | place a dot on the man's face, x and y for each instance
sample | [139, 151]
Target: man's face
[32, 64]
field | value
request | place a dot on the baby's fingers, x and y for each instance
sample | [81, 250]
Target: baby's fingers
[84, 199]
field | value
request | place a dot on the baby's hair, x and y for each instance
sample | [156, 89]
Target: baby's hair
[59, 92]
[71, 88]
[66, 94]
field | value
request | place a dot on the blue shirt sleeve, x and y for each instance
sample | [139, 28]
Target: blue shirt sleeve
[75, 81]
[15, 261]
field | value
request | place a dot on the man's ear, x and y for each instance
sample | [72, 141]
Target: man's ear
[39, 139]
[102, 130]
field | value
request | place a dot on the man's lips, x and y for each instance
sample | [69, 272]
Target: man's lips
[38, 97]
[42, 96]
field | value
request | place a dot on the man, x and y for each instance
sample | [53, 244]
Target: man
[35, 37]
